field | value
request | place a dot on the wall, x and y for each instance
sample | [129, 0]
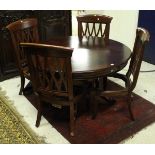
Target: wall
[123, 25]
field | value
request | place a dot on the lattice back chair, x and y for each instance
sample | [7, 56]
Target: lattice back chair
[25, 30]
[94, 25]
[51, 75]
[131, 77]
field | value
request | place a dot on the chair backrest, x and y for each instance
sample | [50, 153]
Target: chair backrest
[94, 25]
[50, 69]
[25, 30]
[142, 37]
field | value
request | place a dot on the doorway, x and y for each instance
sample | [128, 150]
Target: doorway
[147, 20]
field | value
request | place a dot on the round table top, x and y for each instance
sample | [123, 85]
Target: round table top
[92, 58]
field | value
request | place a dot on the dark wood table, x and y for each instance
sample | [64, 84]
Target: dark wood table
[92, 58]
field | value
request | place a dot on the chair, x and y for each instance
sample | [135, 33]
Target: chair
[25, 30]
[94, 25]
[131, 77]
[51, 76]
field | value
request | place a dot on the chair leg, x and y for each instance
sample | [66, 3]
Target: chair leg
[72, 118]
[93, 104]
[22, 84]
[39, 111]
[100, 81]
[129, 100]
[104, 83]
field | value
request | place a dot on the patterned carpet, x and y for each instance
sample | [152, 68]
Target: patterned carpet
[111, 126]
[12, 128]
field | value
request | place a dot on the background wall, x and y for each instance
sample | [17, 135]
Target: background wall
[123, 25]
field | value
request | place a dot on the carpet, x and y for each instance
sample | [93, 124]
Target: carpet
[13, 130]
[111, 126]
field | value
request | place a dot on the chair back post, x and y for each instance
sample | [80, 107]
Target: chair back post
[142, 38]
[70, 81]
[79, 28]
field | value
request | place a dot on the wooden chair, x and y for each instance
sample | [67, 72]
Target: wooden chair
[94, 25]
[51, 76]
[131, 77]
[25, 30]
[97, 26]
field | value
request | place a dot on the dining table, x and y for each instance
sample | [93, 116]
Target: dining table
[93, 57]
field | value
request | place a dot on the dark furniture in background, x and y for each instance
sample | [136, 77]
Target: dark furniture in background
[50, 22]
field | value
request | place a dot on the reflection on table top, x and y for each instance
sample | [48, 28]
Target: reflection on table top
[92, 57]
